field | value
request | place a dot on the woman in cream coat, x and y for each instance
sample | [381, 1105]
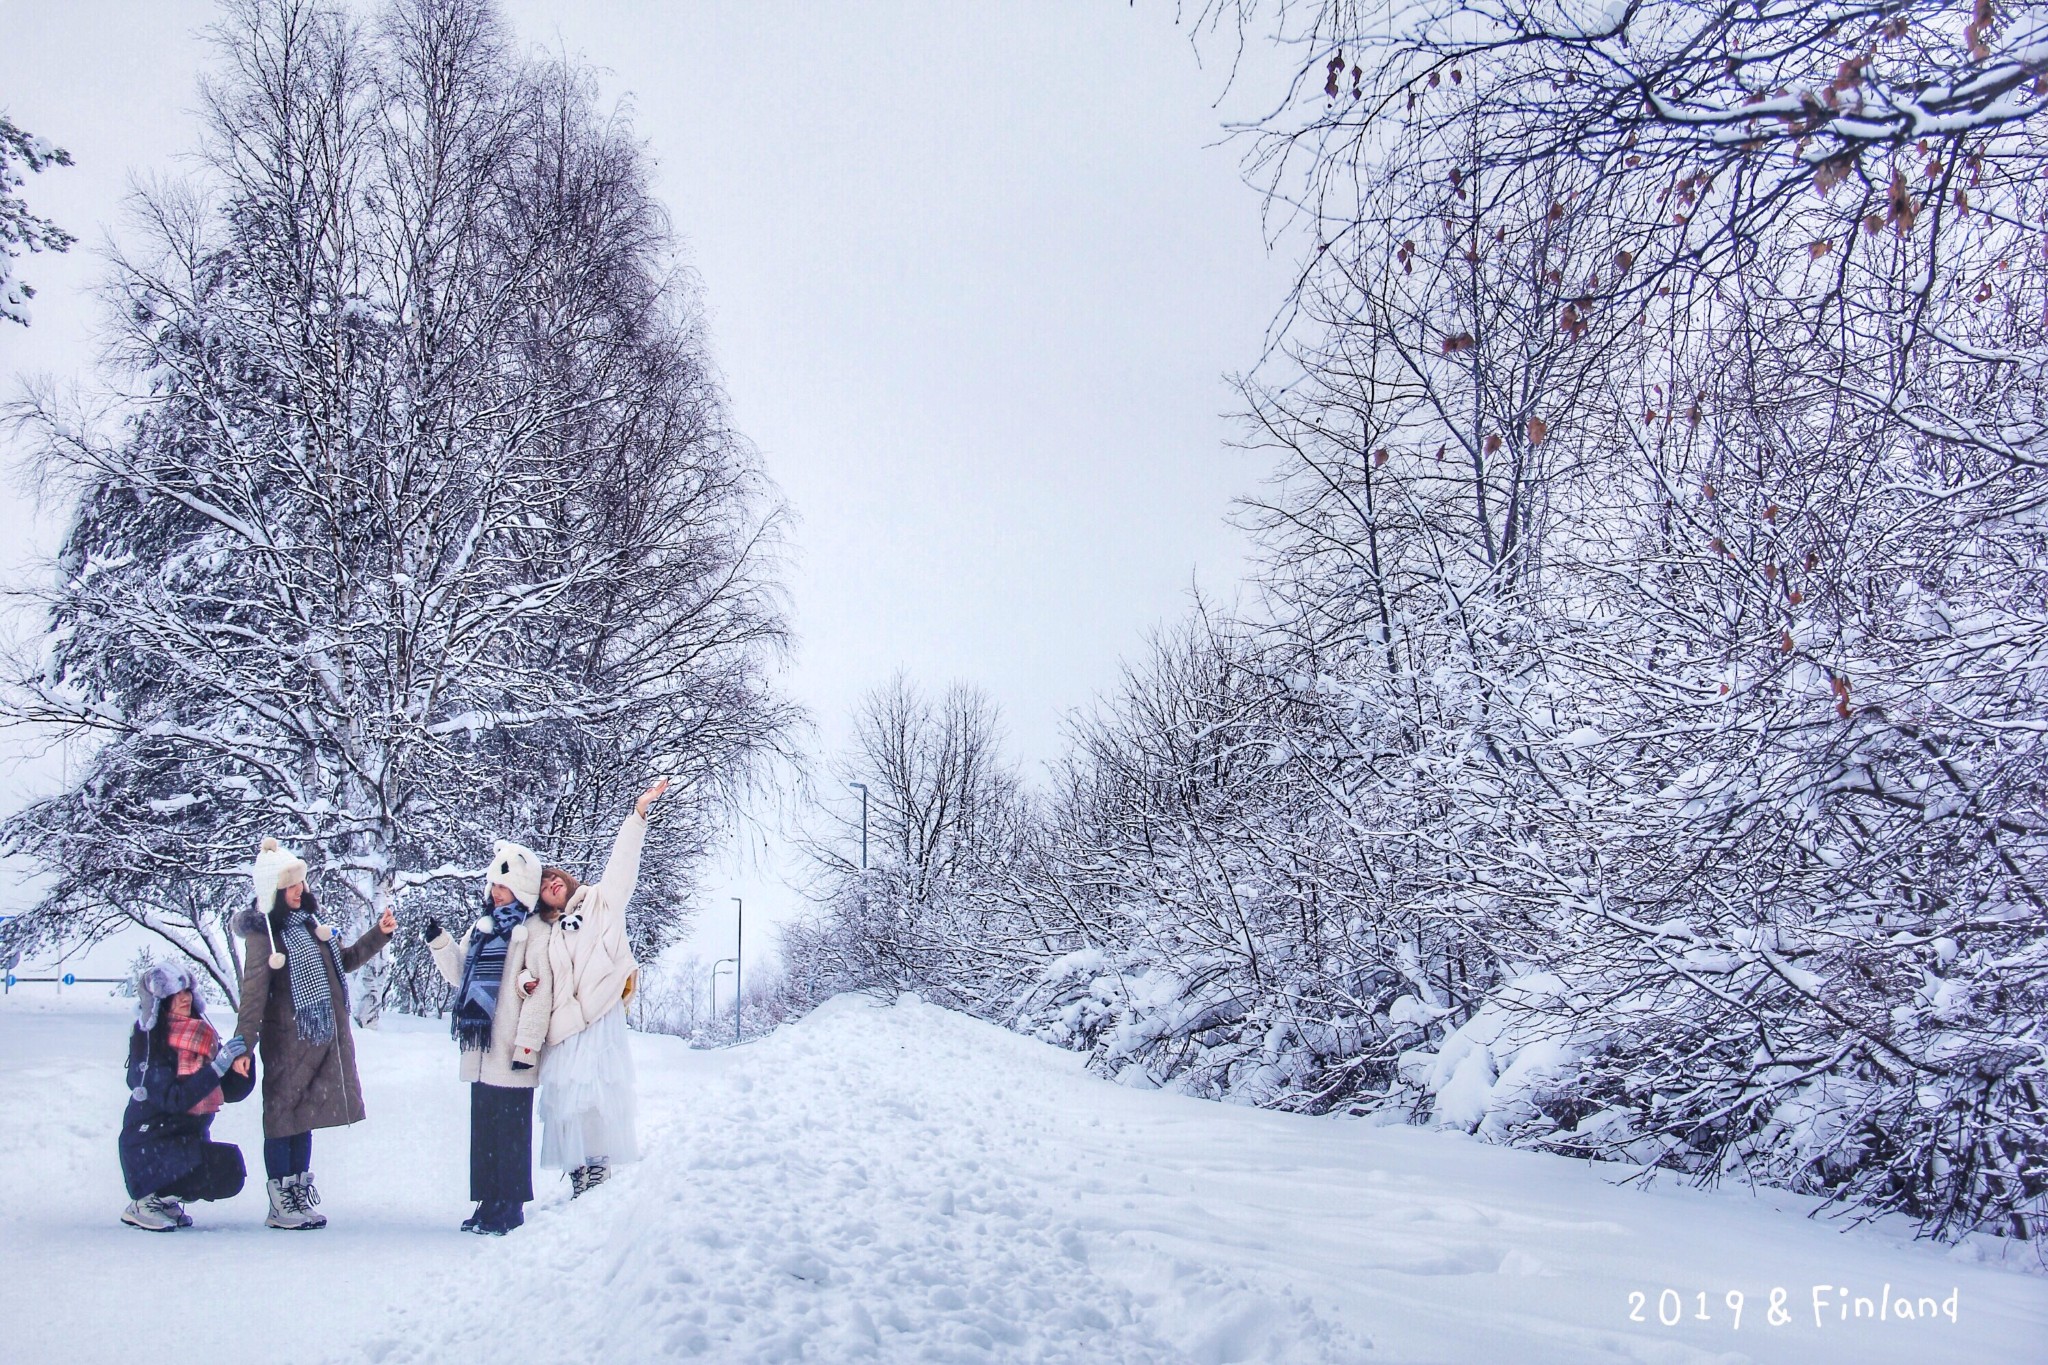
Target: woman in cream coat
[502, 1003]
[586, 1074]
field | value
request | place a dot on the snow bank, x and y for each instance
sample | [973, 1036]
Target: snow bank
[903, 1183]
[1492, 1070]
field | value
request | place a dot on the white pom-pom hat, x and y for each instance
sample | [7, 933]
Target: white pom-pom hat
[275, 869]
[516, 868]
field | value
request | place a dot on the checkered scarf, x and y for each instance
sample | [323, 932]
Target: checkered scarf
[195, 1041]
[305, 962]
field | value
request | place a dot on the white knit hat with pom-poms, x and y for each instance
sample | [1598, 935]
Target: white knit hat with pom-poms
[276, 868]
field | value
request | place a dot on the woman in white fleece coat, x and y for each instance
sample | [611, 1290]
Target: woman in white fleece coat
[586, 1074]
[503, 1001]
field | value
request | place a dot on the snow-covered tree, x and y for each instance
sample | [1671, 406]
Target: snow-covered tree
[1635, 747]
[914, 885]
[22, 154]
[419, 520]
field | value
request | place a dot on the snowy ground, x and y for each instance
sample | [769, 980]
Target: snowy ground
[905, 1184]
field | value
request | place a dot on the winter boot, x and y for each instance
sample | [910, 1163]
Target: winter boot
[176, 1208]
[308, 1197]
[579, 1181]
[500, 1216]
[284, 1206]
[469, 1224]
[150, 1214]
[595, 1174]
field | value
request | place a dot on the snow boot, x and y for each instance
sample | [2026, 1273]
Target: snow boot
[308, 1197]
[469, 1224]
[150, 1214]
[284, 1206]
[499, 1217]
[584, 1179]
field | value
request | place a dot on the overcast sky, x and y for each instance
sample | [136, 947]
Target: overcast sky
[976, 275]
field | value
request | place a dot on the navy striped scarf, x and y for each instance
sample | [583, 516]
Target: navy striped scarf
[483, 971]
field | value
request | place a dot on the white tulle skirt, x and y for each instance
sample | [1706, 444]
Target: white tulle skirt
[586, 1097]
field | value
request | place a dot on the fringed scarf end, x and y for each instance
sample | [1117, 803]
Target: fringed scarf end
[316, 1023]
[473, 1035]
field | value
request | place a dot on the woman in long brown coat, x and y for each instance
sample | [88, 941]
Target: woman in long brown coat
[294, 1016]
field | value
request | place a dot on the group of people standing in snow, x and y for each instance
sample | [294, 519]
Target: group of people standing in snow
[541, 979]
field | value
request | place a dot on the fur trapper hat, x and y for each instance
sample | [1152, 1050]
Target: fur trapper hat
[516, 868]
[158, 983]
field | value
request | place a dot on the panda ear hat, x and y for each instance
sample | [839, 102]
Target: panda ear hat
[516, 868]
[275, 868]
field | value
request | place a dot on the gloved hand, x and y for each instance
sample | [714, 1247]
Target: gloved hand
[522, 1066]
[433, 930]
[232, 1049]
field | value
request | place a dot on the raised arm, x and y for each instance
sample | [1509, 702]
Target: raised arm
[447, 951]
[371, 943]
[622, 868]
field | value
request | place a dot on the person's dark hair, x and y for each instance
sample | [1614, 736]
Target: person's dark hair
[152, 1041]
[307, 903]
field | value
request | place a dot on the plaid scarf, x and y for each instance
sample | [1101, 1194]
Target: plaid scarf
[483, 971]
[312, 997]
[195, 1041]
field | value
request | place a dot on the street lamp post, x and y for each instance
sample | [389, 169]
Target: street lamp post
[739, 943]
[862, 788]
[716, 967]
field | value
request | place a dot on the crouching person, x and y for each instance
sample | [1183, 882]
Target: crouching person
[500, 1021]
[178, 1074]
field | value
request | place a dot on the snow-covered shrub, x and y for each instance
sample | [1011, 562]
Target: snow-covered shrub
[1505, 1073]
[915, 885]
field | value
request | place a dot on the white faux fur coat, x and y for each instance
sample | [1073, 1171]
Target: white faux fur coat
[588, 957]
[519, 1027]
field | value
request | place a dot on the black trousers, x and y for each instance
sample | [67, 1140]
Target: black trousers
[219, 1174]
[500, 1143]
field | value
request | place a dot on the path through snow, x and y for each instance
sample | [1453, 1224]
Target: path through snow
[906, 1184]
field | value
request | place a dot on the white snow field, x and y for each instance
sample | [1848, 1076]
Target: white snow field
[902, 1183]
